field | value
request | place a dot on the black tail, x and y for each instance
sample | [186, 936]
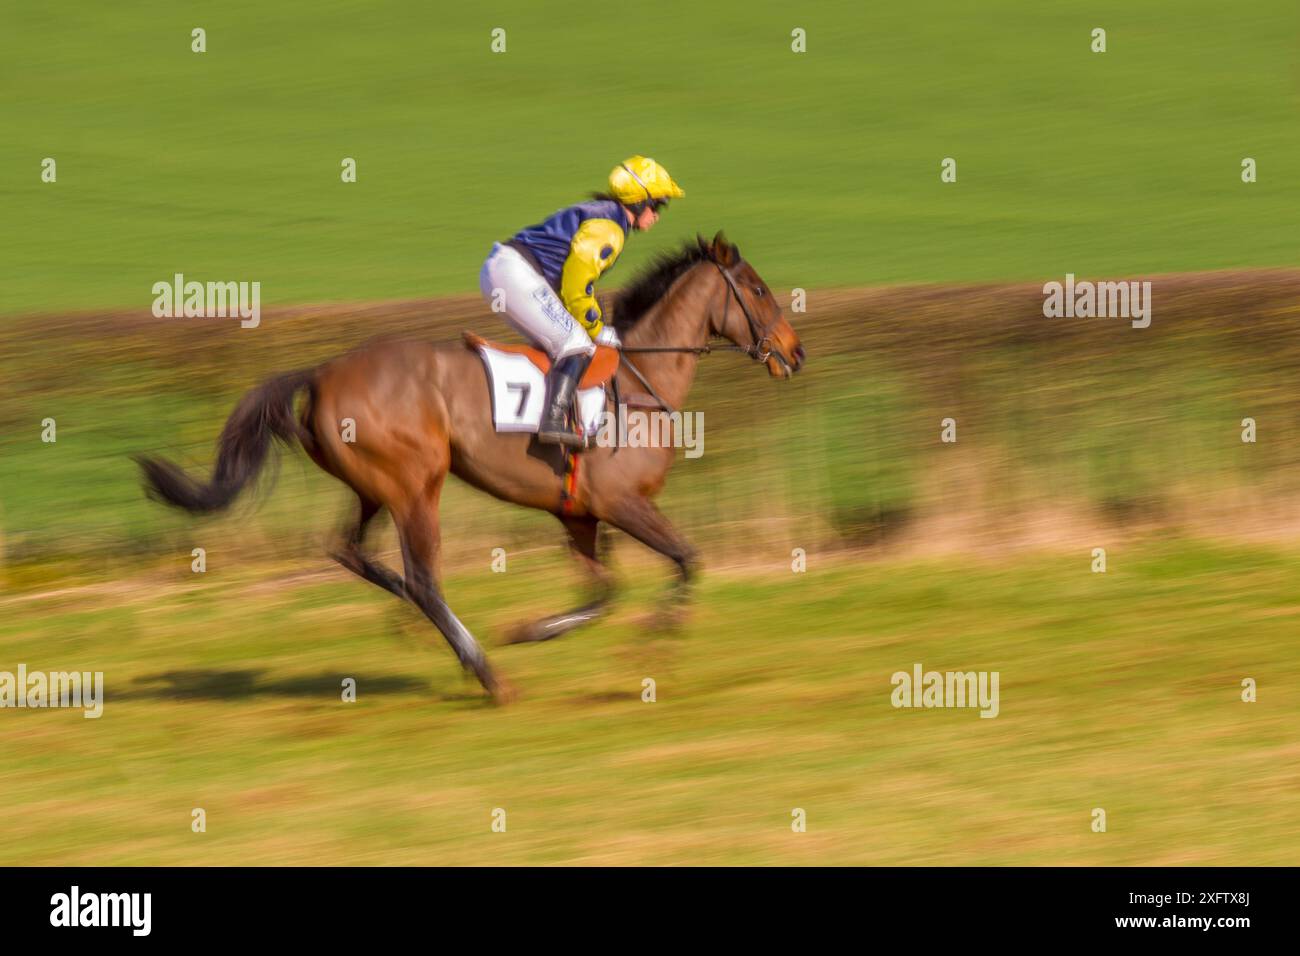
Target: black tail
[264, 413]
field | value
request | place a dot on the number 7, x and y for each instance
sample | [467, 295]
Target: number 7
[523, 388]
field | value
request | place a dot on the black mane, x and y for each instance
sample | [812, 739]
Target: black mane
[631, 303]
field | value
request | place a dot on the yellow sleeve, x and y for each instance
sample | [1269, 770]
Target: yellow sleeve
[594, 248]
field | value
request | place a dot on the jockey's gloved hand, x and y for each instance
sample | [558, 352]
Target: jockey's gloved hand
[607, 336]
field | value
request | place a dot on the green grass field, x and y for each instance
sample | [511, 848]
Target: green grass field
[824, 166]
[1118, 691]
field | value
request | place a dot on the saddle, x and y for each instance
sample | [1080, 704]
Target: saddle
[601, 369]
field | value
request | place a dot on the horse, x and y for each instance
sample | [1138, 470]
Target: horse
[422, 410]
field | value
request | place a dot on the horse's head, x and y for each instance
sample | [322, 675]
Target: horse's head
[747, 313]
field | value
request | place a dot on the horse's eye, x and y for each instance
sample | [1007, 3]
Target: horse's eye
[758, 291]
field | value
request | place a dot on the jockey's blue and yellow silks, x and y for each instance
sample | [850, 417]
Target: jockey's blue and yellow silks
[572, 248]
[595, 246]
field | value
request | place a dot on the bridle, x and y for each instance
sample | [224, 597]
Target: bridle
[760, 349]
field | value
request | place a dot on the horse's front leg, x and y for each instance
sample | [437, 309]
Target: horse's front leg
[639, 517]
[583, 539]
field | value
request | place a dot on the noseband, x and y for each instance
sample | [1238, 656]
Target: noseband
[761, 348]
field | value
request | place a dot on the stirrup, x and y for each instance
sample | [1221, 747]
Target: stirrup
[568, 438]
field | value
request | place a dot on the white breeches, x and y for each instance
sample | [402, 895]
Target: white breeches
[531, 305]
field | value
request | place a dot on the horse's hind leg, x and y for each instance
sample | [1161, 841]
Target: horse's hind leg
[418, 529]
[351, 554]
[583, 539]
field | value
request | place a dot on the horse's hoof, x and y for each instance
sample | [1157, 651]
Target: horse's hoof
[502, 691]
[526, 633]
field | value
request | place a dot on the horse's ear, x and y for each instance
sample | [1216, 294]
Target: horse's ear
[724, 253]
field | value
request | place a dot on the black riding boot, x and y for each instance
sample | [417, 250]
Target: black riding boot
[561, 383]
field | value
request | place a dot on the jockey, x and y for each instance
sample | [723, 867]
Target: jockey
[548, 274]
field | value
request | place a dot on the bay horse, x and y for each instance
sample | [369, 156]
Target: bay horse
[422, 410]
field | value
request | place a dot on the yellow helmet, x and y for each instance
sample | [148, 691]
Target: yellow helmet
[637, 179]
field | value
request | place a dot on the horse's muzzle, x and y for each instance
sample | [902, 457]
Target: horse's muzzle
[779, 366]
